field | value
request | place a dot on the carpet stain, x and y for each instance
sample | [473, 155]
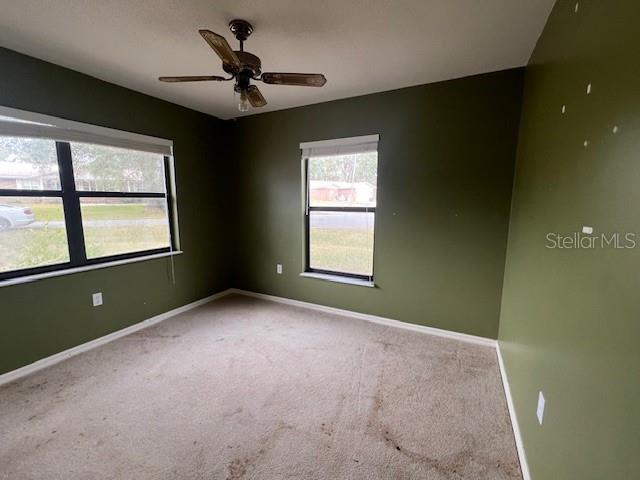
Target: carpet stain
[386, 345]
[238, 468]
[326, 429]
[237, 411]
[446, 466]
[153, 333]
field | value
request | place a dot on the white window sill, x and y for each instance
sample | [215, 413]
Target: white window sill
[339, 279]
[86, 268]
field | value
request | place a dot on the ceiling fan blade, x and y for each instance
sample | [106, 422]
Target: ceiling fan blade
[221, 47]
[198, 78]
[300, 79]
[255, 97]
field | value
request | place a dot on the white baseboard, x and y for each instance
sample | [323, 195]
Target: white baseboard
[514, 418]
[487, 342]
[71, 352]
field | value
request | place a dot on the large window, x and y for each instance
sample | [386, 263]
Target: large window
[340, 206]
[66, 204]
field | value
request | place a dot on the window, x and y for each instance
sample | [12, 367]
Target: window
[340, 207]
[67, 203]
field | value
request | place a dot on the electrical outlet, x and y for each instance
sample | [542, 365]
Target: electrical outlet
[279, 269]
[97, 299]
[540, 409]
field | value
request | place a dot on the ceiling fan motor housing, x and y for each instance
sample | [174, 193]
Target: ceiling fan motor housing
[249, 62]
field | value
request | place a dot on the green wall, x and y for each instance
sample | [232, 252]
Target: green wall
[445, 174]
[570, 320]
[41, 318]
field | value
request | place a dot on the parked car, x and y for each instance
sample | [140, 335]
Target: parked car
[11, 217]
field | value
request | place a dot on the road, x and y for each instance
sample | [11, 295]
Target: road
[358, 221]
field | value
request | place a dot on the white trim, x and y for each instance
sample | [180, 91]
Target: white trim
[483, 341]
[524, 467]
[71, 352]
[85, 268]
[339, 279]
[340, 142]
[47, 126]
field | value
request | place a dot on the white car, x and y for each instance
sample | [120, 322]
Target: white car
[11, 217]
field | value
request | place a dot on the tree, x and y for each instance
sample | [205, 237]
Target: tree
[361, 167]
[105, 168]
[37, 152]
[117, 169]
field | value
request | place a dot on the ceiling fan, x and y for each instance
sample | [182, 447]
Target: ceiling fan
[244, 67]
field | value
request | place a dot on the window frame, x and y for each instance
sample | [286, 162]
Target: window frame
[70, 198]
[307, 230]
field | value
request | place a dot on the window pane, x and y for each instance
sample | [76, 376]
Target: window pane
[114, 226]
[28, 164]
[32, 233]
[111, 169]
[341, 242]
[343, 180]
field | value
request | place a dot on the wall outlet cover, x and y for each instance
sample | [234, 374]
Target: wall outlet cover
[97, 299]
[540, 409]
[279, 269]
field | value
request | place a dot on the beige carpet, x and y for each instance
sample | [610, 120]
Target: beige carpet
[247, 389]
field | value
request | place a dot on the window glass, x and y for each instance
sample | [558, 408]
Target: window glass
[111, 169]
[114, 226]
[343, 180]
[32, 232]
[28, 164]
[342, 242]
[342, 197]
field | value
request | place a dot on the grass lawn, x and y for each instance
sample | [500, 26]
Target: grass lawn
[104, 241]
[341, 249]
[27, 248]
[38, 246]
[47, 212]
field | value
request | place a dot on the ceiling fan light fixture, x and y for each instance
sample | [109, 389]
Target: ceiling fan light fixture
[243, 103]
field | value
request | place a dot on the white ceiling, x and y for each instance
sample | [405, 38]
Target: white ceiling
[362, 46]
